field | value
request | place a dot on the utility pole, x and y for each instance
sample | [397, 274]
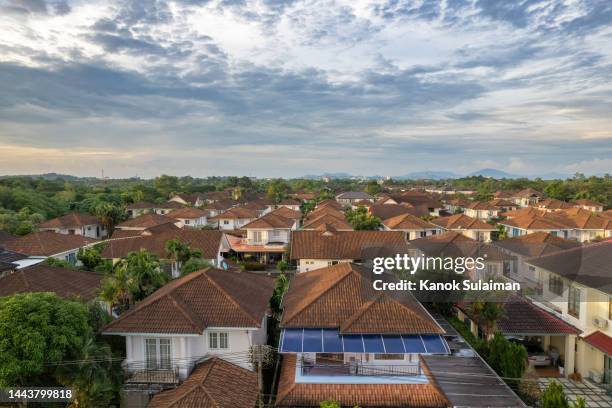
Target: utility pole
[261, 354]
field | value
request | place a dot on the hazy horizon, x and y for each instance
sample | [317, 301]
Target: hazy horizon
[286, 88]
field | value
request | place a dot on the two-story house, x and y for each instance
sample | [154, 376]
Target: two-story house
[188, 217]
[194, 199]
[468, 226]
[576, 285]
[343, 340]
[413, 227]
[204, 314]
[145, 221]
[526, 197]
[75, 224]
[589, 205]
[348, 198]
[481, 210]
[133, 210]
[235, 218]
[266, 239]
[326, 246]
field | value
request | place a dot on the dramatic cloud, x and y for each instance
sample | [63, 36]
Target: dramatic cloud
[286, 88]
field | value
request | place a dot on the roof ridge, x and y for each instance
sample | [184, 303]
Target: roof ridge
[360, 311]
[229, 297]
[182, 308]
[346, 274]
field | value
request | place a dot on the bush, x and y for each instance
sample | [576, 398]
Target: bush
[253, 266]
[329, 404]
[529, 388]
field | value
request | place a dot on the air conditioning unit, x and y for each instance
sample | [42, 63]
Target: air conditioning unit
[595, 376]
[600, 322]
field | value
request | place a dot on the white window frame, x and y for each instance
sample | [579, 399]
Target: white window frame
[157, 344]
[216, 335]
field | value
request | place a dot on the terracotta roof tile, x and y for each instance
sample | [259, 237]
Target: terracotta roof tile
[47, 243]
[270, 220]
[356, 245]
[536, 244]
[70, 220]
[207, 298]
[408, 222]
[207, 387]
[600, 341]
[462, 221]
[292, 394]
[186, 212]
[236, 213]
[455, 244]
[288, 213]
[207, 241]
[146, 221]
[64, 282]
[327, 219]
[342, 296]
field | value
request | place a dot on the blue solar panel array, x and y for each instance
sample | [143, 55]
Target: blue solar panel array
[330, 341]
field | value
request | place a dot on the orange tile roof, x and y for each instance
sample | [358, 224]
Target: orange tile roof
[600, 341]
[288, 213]
[70, 220]
[455, 244]
[206, 298]
[47, 243]
[207, 387]
[342, 296]
[186, 212]
[327, 219]
[408, 222]
[236, 213]
[356, 245]
[270, 220]
[462, 222]
[536, 244]
[292, 394]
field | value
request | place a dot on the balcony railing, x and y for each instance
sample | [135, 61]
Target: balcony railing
[359, 369]
[152, 375]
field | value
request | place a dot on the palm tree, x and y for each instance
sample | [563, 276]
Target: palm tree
[117, 288]
[143, 270]
[488, 313]
[181, 252]
[110, 215]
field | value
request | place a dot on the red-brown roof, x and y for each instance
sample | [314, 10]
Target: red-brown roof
[206, 298]
[462, 222]
[342, 297]
[207, 387]
[600, 341]
[270, 220]
[236, 213]
[408, 222]
[70, 220]
[64, 282]
[146, 221]
[356, 245]
[207, 241]
[186, 213]
[287, 213]
[536, 244]
[455, 244]
[327, 219]
[588, 203]
[292, 394]
[47, 243]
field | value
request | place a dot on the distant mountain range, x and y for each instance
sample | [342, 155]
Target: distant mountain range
[493, 173]
[428, 175]
[443, 175]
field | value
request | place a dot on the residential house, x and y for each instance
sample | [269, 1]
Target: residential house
[453, 244]
[456, 205]
[526, 197]
[413, 227]
[234, 218]
[221, 206]
[577, 286]
[211, 243]
[194, 199]
[589, 205]
[289, 203]
[9, 261]
[165, 208]
[207, 386]
[327, 246]
[547, 337]
[189, 217]
[266, 239]
[38, 246]
[75, 224]
[64, 282]
[481, 210]
[145, 221]
[468, 226]
[351, 197]
[204, 314]
[336, 345]
[503, 205]
[259, 207]
[524, 247]
[518, 226]
[339, 223]
[289, 213]
[386, 211]
[330, 203]
[552, 204]
[139, 208]
[416, 199]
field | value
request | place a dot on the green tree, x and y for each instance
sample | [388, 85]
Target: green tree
[39, 331]
[554, 396]
[360, 219]
[193, 265]
[329, 404]
[282, 284]
[109, 215]
[487, 313]
[181, 252]
[90, 257]
[373, 188]
[144, 272]
[166, 185]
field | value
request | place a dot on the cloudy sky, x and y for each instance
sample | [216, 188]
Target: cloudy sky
[293, 87]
